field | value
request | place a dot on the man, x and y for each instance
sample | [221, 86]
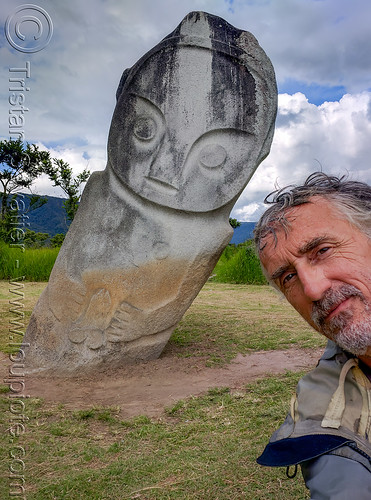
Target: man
[314, 244]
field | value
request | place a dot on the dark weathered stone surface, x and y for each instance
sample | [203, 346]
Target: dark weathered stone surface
[194, 118]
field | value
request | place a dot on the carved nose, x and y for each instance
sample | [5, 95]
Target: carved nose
[165, 167]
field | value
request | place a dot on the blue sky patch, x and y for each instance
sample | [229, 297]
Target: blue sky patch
[68, 142]
[316, 94]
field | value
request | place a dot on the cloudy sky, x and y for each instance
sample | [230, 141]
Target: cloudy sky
[320, 49]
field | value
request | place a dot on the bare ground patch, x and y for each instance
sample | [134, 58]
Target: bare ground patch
[147, 388]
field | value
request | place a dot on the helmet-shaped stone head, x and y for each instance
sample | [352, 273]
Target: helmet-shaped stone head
[194, 116]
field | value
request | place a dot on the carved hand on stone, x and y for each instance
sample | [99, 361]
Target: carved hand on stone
[90, 326]
[98, 309]
[67, 298]
[128, 323]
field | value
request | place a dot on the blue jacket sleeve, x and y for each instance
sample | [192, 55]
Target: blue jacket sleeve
[332, 477]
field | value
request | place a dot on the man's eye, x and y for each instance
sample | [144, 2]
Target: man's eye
[287, 278]
[323, 250]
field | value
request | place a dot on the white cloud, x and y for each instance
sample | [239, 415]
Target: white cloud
[334, 137]
[247, 212]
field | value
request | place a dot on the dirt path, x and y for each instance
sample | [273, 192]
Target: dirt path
[147, 388]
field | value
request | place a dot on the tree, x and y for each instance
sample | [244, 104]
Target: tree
[57, 240]
[61, 174]
[234, 223]
[32, 239]
[20, 165]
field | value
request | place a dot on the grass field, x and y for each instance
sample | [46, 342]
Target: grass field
[200, 448]
[34, 264]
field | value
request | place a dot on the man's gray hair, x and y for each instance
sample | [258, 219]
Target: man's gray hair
[351, 199]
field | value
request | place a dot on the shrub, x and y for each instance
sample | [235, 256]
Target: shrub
[239, 264]
[32, 239]
[57, 240]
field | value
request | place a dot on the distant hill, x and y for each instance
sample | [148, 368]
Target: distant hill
[50, 218]
[243, 232]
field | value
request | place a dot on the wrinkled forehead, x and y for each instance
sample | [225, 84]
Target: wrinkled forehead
[311, 219]
[198, 84]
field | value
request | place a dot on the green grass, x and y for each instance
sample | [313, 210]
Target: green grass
[227, 319]
[34, 264]
[17, 299]
[202, 448]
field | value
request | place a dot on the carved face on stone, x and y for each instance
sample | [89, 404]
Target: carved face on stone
[187, 132]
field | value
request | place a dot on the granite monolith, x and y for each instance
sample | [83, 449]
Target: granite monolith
[194, 118]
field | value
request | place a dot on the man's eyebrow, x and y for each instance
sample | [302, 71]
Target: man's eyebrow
[311, 244]
[280, 271]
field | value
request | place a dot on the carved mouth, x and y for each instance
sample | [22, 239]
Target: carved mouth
[162, 186]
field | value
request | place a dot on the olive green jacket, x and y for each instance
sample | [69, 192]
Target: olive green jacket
[330, 413]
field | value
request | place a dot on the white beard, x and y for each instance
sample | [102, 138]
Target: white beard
[352, 336]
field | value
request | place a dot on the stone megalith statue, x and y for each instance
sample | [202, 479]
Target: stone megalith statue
[194, 118]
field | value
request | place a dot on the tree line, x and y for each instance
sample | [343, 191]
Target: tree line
[20, 165]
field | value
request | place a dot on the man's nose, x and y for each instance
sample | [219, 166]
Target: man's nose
[314, 282]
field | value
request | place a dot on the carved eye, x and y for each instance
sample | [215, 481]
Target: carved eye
[212, 156]
[145, 128]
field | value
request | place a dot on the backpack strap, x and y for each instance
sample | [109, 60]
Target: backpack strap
[335, 409]
[364, 426]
